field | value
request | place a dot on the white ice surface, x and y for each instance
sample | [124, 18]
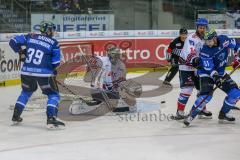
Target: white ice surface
[112, 138]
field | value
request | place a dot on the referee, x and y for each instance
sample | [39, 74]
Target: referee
[173, 53]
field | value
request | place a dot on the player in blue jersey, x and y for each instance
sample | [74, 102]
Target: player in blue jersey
[213, 59]
[40, 58]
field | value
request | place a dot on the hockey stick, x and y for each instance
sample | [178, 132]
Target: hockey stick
[210, 93]
[89, 103]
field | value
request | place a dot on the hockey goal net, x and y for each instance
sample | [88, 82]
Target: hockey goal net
[72, 77]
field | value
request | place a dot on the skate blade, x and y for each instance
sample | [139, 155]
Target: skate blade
[54, 127]
[186, 126]
[220, 121]
[204, 117]
[14, 123]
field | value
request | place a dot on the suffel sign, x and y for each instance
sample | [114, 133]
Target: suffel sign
[75, 22]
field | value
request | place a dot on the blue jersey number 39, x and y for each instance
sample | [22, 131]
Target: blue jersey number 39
[34, 56]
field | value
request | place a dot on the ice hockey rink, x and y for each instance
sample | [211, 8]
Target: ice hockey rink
[112, 138]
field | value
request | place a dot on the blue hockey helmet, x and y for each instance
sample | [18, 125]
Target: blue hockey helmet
[202, 22]
[210, 34]
[46, 26]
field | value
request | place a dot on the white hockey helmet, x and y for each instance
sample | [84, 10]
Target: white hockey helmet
[113, 50]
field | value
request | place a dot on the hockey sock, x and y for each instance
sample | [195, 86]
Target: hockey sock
[182, 101]
[227, 105]
[199, 105]
[22, 101]
[52, 105]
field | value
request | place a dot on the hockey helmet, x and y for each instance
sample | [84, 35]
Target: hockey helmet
[202, 22]
[183, 30]
[46, 26]
[210, 34]
[113, 50]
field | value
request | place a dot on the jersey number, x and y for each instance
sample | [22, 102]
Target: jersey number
[206, 63]
[34, 56]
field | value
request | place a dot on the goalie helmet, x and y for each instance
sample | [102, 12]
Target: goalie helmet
[47, 28]
[113, 50]
[114, 53]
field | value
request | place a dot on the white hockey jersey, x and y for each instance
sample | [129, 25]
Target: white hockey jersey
[191, 49]
[107, 73]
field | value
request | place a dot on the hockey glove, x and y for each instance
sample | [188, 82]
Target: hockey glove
[218, 80]
[22, 55]
[195, 62]
[168, 57]
[236, 62]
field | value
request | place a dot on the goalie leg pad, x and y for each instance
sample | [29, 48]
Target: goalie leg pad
[132, 88]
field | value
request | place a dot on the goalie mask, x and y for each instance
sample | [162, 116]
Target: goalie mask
[114, 54]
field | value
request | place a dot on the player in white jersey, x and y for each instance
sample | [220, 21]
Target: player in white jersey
[187, 69]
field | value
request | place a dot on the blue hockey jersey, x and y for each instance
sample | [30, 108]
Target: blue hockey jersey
[215, 58]
[43, 54]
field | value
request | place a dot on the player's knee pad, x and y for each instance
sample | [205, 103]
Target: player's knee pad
[23, 98]
[233, 96]
[53, 100]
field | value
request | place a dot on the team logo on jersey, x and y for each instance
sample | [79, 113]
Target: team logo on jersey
[178, 44]
[191, 42]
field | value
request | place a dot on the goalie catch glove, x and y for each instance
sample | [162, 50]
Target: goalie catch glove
[22, 55]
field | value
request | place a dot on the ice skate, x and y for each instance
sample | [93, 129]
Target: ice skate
[225, 119]
[16, 119]
[179, 116]
[54, 123]
[187, 121]
[205, 114]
